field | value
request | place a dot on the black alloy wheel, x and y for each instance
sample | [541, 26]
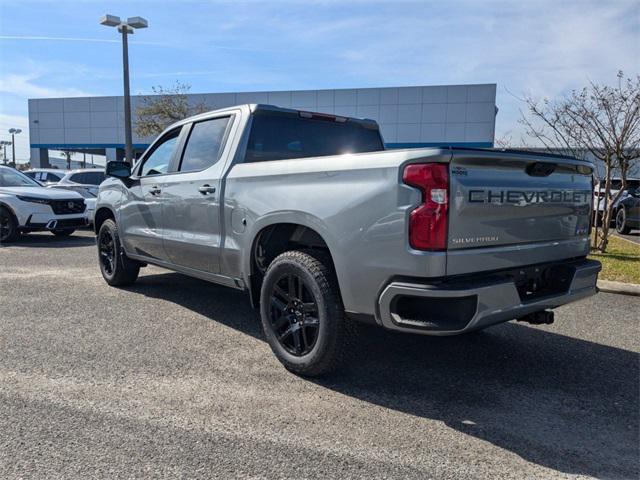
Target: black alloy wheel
[107, 252]
[294, 314]
[8, 226]
[117, 269]
[621, 222]
[302, 315]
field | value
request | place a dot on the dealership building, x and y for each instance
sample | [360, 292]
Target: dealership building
[422, 116]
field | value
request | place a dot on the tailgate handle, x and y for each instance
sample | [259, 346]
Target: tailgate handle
[541, 169]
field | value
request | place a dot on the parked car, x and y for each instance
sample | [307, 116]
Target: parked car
[599, 200]
[46, 176]
[86, 178]
[323, 227]
[89, 178]
[88, 195]
[27, 206]
[627, 213]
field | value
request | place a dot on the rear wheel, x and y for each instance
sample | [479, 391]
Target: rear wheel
[63, 232]
[8, 226]
[621, 222]
[117, 269]
[302, 314]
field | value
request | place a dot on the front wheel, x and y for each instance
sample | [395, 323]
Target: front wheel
[621, 222]
[8, 226]
[302, 314]
[117, 269]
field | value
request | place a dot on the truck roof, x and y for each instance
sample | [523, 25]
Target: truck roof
[262, 107]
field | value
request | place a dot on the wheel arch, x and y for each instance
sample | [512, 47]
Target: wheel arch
[276, 237]
[102, 214]
[11, 210]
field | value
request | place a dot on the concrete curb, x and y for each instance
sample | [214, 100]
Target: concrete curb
[618, 287]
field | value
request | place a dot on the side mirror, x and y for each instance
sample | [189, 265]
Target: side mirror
[121, 170]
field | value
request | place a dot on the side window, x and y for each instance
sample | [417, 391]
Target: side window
[77, 178]
[159, 159]
[93, 178]
[51, 177]
[204, 145]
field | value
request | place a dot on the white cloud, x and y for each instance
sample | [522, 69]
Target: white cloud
[39, 38]
[23, 85]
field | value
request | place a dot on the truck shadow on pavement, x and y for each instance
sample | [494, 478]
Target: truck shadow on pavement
[560, 402]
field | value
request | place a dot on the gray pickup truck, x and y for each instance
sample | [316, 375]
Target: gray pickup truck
[325, 228]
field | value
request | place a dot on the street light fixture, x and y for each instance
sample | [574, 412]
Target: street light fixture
[125, 28]
[13, 132]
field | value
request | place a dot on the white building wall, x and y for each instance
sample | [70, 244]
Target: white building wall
[408, 116]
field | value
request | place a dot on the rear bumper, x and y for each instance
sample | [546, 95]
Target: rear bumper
[458, 306]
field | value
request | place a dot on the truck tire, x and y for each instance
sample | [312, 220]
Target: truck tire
[8, 226]
[117, 269]
[621, 222]
[63, 232]
[302, 314]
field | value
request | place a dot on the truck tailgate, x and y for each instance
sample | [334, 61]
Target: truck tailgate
[511, 204]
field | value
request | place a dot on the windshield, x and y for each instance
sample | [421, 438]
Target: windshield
[13, 178]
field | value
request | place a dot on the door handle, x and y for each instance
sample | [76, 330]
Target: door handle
[206, 189]
[155, 190]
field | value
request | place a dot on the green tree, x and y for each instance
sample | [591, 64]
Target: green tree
[164, 107]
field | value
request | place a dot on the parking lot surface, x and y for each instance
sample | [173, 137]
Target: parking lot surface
[171, 378]
[633, 236]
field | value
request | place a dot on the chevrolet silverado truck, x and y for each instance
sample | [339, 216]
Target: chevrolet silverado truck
[325, 228]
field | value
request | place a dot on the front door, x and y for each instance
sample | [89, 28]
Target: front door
[141, 211]
[191, 195]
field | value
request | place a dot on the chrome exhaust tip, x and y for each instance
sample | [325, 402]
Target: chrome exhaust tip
[51, 224]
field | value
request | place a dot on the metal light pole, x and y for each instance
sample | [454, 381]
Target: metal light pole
[126, 28]
[14, 132]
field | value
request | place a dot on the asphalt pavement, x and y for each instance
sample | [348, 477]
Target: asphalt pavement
[172, 378]
[633, 236]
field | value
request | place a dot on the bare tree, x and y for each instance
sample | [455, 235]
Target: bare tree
[166, 106]
[600, 120]
[504, 141]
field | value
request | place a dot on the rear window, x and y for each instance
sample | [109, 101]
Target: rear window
[279, 137]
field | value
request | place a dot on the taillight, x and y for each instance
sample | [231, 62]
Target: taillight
[428, 222]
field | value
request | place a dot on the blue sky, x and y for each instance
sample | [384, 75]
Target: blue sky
[57, 48]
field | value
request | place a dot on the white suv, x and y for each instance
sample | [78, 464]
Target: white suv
[47, 176]
[89, 178]
[27, 206]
